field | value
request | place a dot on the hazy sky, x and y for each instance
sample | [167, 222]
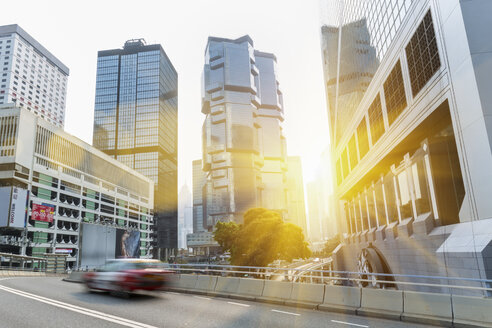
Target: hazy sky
[75, 30]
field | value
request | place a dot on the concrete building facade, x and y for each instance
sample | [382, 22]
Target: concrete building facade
[31, 76]
[60, 195]
[410, 130]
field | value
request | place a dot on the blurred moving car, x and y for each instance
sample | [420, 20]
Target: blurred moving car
[125, 276]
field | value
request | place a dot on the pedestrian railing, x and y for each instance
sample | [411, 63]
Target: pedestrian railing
[14, 262]
[347, 278]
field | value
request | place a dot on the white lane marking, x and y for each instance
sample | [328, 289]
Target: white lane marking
[78, 309]
[173, 293]
[285, 312]
[240, 304]
[202, 298]
[350, 324]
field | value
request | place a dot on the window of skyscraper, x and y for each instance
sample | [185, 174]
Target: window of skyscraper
[376, 119]
[352, 146]
[394, 93]
[363, 138]
[422, 54]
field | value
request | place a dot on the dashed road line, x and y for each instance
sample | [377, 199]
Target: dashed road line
[285, 312]
[202, 298]
[240, 304]
[350, 324]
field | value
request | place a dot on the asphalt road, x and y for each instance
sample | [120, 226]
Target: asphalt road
[50, 302]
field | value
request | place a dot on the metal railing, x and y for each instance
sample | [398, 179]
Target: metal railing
[348, 278]
[14, 262]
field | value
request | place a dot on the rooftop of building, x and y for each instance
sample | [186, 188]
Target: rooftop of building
[244, 38]
[133, 46]
[14, 28]
[11, 109]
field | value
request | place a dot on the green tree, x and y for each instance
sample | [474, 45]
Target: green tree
[330, 245]
[225, 233]
[263, 238]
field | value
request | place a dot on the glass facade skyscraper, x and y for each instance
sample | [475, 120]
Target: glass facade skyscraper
[243, 143]
[410, 143]
[135, 121]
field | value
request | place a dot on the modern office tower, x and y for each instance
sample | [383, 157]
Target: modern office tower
[60, 195]
[31, 76]
[199, 180]
[202, 239]
[315, 230]
[135, 121]
[356, 61]
[412, 161]
[243, 144]
[296, 207]
[185, 215]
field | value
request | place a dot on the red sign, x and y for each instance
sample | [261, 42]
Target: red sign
[42, 212]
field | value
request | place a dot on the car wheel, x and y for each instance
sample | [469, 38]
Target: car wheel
[120, 291]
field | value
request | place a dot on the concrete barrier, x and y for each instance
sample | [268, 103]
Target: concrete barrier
[341, 299]
[430, 308]
[249, 288]
[226, 285]
[205, 283]
[186, 281]
[276, 291]
[384, 303]
[306, 295]
[472, 311]
[75, 276]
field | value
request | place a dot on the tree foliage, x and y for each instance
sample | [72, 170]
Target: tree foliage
[263, 238]
[330, 245]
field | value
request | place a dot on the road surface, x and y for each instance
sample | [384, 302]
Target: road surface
[50, 302]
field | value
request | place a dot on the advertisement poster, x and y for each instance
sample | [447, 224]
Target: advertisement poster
[5, 193]
[127, 244]
[18, 207]
[43, 212]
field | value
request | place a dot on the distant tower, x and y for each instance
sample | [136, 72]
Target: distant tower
[136, 122]
[295, 196]
[199, 180]
[185, 215]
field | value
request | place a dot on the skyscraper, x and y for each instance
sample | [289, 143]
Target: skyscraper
[411, 147]
[185, 215]
[296, 207]
[135, 121]
[199, 180]
[31, 76]
[243, 143]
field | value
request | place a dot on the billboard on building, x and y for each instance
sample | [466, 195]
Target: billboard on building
[13, 207]
[43, 212]
[97, 245]
[18, 207]
[5, 193]
[127, 244]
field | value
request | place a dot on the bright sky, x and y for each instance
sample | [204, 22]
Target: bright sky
[75, 30]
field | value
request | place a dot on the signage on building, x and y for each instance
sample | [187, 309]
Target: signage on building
[43, 212]
[18, 207]
[63, 251]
